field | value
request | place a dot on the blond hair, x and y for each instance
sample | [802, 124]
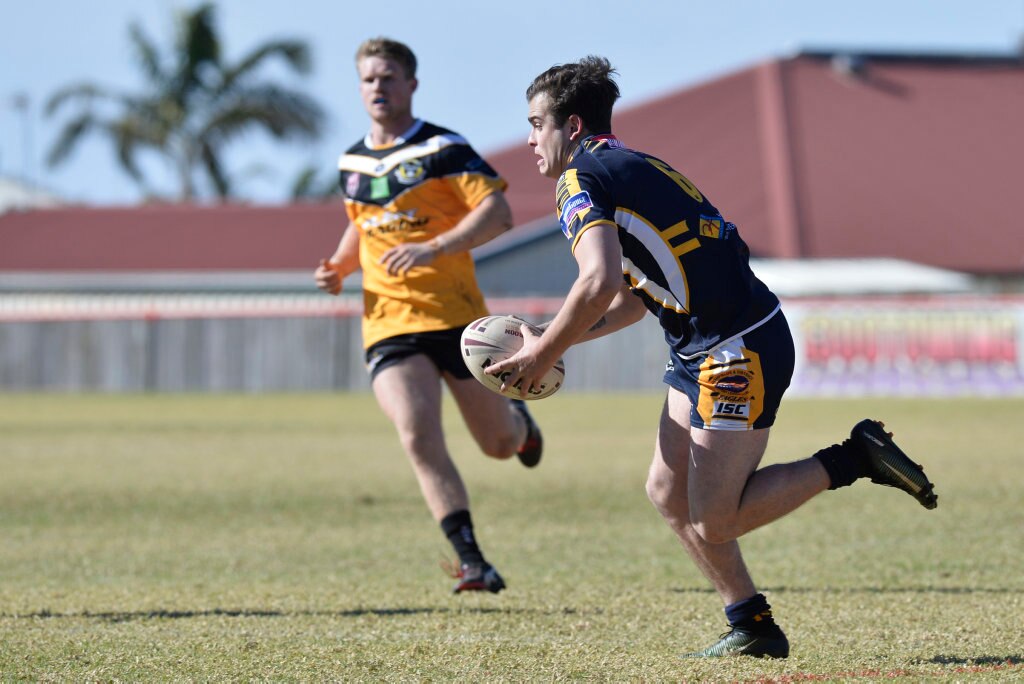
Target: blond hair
[389, 49]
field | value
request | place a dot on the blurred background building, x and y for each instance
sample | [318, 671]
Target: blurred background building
[878, 193]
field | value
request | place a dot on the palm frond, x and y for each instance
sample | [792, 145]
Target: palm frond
[295, 53]
[133, 134]
[86, 92]
[211, 163]
[147, 54]
[202, 45]
[70, 135]
[198, 48]
[192, 105]
[285, 114]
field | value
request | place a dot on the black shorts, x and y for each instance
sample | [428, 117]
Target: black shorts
[443, 347]
[739, 385]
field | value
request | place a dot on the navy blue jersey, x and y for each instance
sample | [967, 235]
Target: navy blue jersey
[687, 263]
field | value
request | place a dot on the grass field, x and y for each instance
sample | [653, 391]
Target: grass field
[283, 538]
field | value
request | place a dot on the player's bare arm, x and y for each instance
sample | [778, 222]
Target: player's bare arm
[483, 223]
[599, 257]
[625, 310]
[342, 263]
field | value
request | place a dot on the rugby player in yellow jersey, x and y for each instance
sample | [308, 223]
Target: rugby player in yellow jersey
[646, 239]
[418, 198]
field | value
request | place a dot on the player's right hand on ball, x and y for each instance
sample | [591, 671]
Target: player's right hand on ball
[327, 278]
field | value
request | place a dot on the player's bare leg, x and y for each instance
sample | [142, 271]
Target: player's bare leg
[409, 393]
[501, 428]
[729, 496]
[496, 427]
[669, 487]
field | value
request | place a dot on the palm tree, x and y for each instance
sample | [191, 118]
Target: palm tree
[193, 105]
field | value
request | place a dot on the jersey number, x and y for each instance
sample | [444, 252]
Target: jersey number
[678, 178]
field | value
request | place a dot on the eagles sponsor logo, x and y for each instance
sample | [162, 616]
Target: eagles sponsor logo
[409, 172]
[731, 396]
[734, 383]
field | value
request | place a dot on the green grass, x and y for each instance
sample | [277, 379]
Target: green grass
[284, 538]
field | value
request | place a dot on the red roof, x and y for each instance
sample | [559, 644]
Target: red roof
[899, 156]
[170, 237]
[882, 156]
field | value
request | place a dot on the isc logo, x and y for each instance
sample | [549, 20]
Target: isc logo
[729, 409]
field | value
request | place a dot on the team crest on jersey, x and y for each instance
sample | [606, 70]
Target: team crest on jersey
[579, 202]
[409, 172]
[352, 184]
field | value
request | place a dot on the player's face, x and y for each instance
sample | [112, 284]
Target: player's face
[386, 89]
[551, 143]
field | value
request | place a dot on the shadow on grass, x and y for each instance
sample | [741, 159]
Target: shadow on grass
[979, 661]
[864, 590]
[128, 616]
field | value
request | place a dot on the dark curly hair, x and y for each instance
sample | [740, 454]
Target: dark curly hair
[584, 88]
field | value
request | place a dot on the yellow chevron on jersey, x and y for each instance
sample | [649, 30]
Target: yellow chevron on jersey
[414, 191]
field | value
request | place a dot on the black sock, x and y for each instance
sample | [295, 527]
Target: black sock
[458, 527]
[843, 464]
[752, 615]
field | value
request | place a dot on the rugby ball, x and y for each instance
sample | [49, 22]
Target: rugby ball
[490, 339]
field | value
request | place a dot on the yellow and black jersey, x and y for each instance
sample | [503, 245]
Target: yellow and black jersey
[412, 191]
[684, 260]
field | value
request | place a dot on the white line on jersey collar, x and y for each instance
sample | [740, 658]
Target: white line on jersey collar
[413, 130]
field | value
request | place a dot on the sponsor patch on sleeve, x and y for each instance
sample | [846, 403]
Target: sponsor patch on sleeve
[575, 206]
[711, 226]
[716, 227]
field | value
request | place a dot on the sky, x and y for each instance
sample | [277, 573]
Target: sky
[476, 60]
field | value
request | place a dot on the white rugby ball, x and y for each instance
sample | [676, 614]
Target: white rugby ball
[491, 339]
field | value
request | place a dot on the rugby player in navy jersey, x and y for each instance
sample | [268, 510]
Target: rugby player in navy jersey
[646, 239]
[418, 198]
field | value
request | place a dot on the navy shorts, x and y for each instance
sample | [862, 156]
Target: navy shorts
[443, 347]
[739, 385]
